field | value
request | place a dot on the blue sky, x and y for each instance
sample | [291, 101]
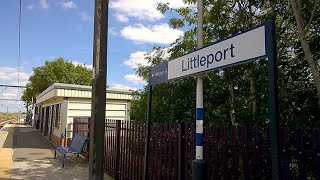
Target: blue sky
[64, 28]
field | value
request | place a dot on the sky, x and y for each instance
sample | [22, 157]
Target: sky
[64, 28]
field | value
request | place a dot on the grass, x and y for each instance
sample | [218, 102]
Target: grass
[9, 116]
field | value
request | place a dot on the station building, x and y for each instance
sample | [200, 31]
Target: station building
[59, 104]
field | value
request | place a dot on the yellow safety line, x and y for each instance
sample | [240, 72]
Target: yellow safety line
[6, 151]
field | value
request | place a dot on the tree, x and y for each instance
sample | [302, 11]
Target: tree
[242, 89]
[297, 8]
[56, 71]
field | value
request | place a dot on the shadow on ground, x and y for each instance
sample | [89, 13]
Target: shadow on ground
[76, 168]
[33, 159]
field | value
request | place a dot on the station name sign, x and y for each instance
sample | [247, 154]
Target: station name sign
[240, 48]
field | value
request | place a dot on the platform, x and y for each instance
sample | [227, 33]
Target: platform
[26, 154]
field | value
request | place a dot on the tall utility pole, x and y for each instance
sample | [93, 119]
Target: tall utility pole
[98, 101]
[198, 165]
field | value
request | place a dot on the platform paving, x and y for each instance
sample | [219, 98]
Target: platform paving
[26, 154]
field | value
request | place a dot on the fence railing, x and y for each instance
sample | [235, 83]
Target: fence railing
[230, 152]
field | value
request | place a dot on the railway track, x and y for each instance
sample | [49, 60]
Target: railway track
[4, 123]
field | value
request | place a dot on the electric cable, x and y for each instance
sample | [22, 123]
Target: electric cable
[19, 49]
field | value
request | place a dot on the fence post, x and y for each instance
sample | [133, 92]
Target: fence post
[316, 150]
[224, 153]
[118, 129]
[215, 153]
[301, 154]
[181, 152]
[245, 153]
[257, 153]
[235, 155]
[284, 154]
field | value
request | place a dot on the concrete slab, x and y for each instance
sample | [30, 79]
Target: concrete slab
[6, 163]
[3, 137]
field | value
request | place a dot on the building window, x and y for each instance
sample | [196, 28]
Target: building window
[58, 115]
[53, 117]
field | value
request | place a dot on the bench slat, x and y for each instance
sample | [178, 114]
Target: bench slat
[77, 144]
[62, 149]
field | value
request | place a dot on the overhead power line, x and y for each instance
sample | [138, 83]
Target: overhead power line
[19, 49]
[5, 85]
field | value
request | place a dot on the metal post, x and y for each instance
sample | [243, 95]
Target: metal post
[181, 151]
[98, 102]
[198, 165]
[27, 113]
[147, 145]
[273, 99]
[118, 133]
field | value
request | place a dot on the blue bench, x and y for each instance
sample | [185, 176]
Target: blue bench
[76, 147]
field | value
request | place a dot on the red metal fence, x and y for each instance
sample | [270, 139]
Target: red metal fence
[230, 152]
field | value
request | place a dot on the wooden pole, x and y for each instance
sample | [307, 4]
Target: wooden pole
[98, 101]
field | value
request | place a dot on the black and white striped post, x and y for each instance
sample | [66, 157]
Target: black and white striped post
[198, 164]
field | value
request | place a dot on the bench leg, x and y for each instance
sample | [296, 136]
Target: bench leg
[64, 157]
[55, 154]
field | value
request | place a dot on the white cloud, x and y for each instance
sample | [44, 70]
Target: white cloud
[8, 95]
[22, 76]
[8, 69]
[68, 5]
[161, 34]
[11, 93]
[21, 83]
[10, 99]
[76, 63]
[136, 59]
[30, 7]
[122, 18]
[134, 79]
[9, 73]
[121, 86]
[85, 17]
[44, 4]
[142, 9]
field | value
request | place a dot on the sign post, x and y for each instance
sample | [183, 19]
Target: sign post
[253, 44]
[199, 164]
[273, 98]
